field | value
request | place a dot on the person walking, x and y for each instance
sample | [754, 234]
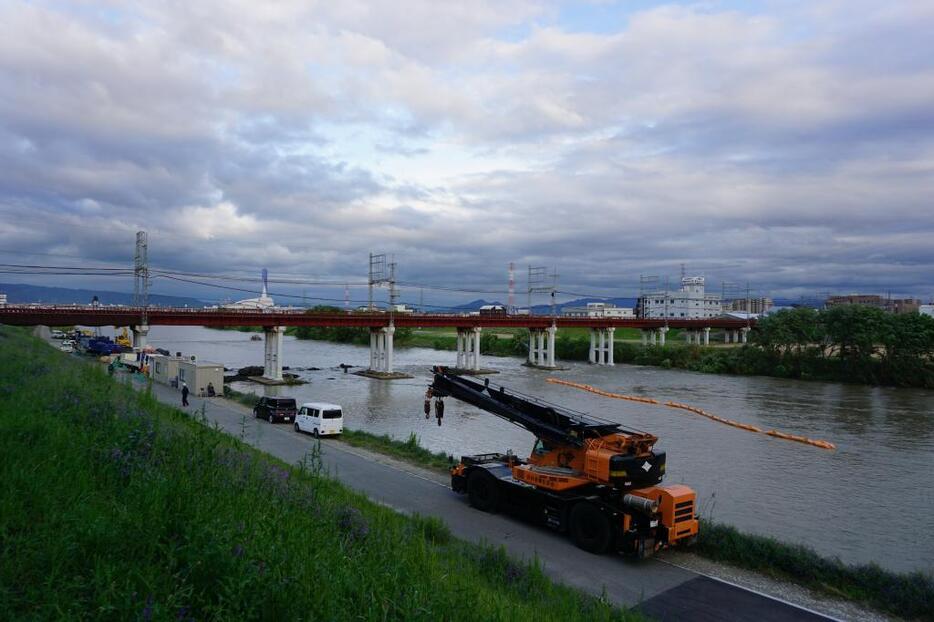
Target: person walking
[184, 394]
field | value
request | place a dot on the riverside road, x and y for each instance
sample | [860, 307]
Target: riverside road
[662, 591]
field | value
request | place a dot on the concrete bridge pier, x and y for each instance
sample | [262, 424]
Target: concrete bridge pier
[697, 337]
[661, 335]
[542, 347]
[468, 348]
[601, 346]
[551, 330]
[140, 334]
[381, 349]
[610, 345]
[744, 332]
[533, 346]
[644, 334]
[461, 350]
[653, 336]
[272, 361]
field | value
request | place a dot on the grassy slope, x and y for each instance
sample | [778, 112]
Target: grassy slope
[908, 595]
[113, 506]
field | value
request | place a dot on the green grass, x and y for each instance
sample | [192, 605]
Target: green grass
[910, 596]
[409, 450]
[114, 506]
[246, 399]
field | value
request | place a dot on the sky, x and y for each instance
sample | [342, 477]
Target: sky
[789, 145]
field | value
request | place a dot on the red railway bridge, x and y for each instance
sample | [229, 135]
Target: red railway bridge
[382, 325]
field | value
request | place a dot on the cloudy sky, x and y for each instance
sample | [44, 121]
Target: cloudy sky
[788, 144]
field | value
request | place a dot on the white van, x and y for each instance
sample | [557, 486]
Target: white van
[319, 419]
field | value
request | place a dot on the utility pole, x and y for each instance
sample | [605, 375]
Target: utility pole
[511, 301]
[141, 274]
[377, 276]
[666, 300]
[393, 294]
[537, 284]
[748, 305]
[647, 285]
[382, 272]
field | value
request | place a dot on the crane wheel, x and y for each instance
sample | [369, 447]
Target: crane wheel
[483, 491]
[590, 528]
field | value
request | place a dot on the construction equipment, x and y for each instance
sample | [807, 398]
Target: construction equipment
[123, 339]
[585, 476]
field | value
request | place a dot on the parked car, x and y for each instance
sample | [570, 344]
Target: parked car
[320, 419]
[274, 409]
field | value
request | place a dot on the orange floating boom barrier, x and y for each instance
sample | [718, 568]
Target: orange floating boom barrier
[618, 396]
[698, 411]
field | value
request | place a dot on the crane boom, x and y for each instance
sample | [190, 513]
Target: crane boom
[544, 420]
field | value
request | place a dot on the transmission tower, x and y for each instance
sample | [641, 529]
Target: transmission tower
[382, 272]
[141, 273]
[647, 285]
[538, 284]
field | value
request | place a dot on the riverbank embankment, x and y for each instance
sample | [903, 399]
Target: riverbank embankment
[116, 504]
[907, 595]
[389, 480]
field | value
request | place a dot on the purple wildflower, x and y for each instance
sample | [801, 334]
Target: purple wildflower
[352, 523]
[147, 610]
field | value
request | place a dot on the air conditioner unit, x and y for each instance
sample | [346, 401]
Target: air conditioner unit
[193, 358]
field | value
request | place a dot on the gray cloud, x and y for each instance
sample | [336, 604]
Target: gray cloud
[792, 147]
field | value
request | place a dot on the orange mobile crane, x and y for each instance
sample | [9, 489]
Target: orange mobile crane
[585, 476]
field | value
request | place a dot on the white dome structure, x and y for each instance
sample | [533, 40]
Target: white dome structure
[263, 303]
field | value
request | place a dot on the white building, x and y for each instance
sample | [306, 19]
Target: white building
[2, 299]
[923, 309]
[598, 310]
[688, 303]
[263, 303]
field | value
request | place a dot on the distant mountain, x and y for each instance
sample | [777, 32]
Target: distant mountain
[20, 293]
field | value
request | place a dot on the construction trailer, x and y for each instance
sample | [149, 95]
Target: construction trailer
[199, 374]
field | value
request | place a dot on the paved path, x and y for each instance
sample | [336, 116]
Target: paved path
[663, 591]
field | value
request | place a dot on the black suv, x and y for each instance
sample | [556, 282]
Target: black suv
[275, 409]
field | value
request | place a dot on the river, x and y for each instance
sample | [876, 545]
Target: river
[868, 501]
